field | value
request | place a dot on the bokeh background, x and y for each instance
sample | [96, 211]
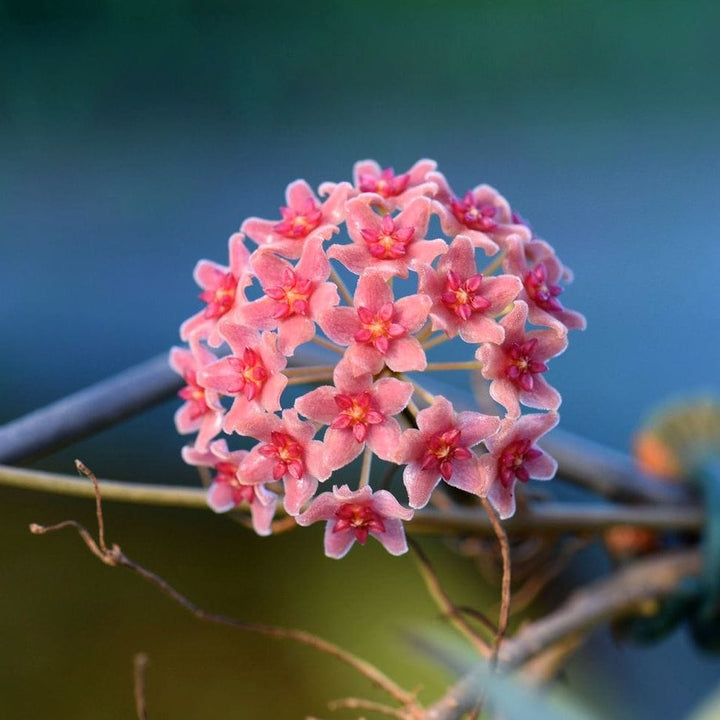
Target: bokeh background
[134, 138]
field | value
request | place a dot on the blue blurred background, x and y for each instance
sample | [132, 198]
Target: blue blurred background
[134, 139]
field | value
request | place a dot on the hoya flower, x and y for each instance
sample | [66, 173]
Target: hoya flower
[539, 268]
[378, 320]
[358, 411]
[223, 291]
[294, 296]
[252, 374]
[202, 411]
[394, 191]
[303, 217]
[482, 214]
[513, 455]
[439, 449]
[388, 245]
[377, 329]
[516, 366]
[354, 514]
[465, 302]
[227, 491]
[286, 452]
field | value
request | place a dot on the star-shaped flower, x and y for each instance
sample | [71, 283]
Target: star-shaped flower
[357, 411]
[389, 245]
[513, 455]
[286, 452]
[440, 450]
[223, 291]
[354, 514]
[294, 296]
[227, 491]
[252, 374]
[465, 302]
[516, 366]
[377, 329]
[482, 214]
[303, 217]
[201, 412]
[541, 271]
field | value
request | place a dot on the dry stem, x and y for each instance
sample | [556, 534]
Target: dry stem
[140, 662]
[446, 605]
[610, 597]
[504, 613]
[114, 557]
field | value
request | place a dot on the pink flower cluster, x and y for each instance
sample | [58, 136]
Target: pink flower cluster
[333, 271]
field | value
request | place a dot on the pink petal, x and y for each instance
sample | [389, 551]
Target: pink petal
[337, 544]
[419, 484]
[440, 416]
[298, 193]
[386, 504]
[272, 389]
[318, 404]
[340, 324]
[220, 497]
[476, 427]
[293, 332]
[466, 476]
[393, 539]
[405, 354]
[372, 291]
[262, 515]
[384, 439]
[392, 395]
[297, 493]
[323, 297]
[313, 264]
[356, 258]
[412, 311]
[341, 448]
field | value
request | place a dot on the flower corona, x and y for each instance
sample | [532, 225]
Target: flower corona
[344, 299]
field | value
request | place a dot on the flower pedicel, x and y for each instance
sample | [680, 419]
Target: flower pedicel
[358, 271]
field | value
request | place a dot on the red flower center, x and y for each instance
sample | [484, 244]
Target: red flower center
[521, 366]
[540, 292]
[299, 223]
[378, 328]
[387, 185]
[361, 519]
[388, 242]
[226, 474]
[511, 463]
[288, 454]
[462, 297]
[251, 374]
[474, 215]
[194, 395]
[220, 298]
[357, 412]
[442, 450]
[291, 298]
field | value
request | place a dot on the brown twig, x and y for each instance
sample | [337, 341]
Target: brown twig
[536, 583]
[505, 590]
[610, 597]
[601, 600]
[114, 557]
[140, 662]
[446, 605]
[352, 703]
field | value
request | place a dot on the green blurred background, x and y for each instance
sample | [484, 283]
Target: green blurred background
[136, 136]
